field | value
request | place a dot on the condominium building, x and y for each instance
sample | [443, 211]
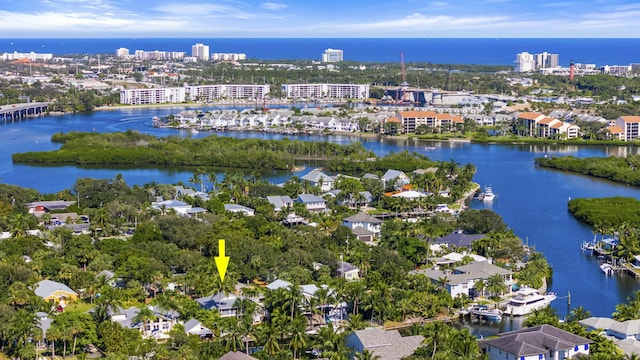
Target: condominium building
[200, 51]
[538, 125]
[410, 120]
[32, 56]
[153, 96]
[122, 52]
[226, 91]
[332, 55]
[228, 56]
[159, 55]
[630, 126]
[526, 62]
[330, 91]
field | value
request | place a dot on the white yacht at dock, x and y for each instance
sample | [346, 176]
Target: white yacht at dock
[526, 300]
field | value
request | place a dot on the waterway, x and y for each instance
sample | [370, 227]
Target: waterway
[532, 200]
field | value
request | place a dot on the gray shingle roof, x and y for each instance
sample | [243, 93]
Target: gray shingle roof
[362, 218]
[536, 340]
[388, 345]
[316, 176]
[310, 198]
[46, 288]
[459, 239]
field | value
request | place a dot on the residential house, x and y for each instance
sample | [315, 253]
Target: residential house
[236, 355]
[457, 240]
[195, 327]
[620, 330]
[55, 292]
[395, 178]
[239, 209]
[348, 271]
[319, 179]
[365, 227]
[539, 342]
[630, 126]
[179, 207]
[385, 345]
[313, 203]
[280, 202]
[158, 327]
[40, 207]
[461, 280]
[617, 133]
[226, 305]
[182, 192]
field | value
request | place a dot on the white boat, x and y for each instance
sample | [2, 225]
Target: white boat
[483, 312]
[488, 195]
[606, 268]
[526, 300]
[430, 148]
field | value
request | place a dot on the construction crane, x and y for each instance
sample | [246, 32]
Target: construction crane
[404, 86]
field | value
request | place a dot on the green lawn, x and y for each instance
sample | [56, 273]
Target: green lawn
[78, 307]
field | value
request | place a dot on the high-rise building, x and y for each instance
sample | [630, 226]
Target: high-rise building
[546, 60]
[524, 62]
[200, 51]
[332, 55]
[122, 52]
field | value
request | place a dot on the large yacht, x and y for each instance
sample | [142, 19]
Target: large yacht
[488, 195]
[526, 300]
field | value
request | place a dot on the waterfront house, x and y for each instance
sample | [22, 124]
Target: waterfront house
[239, 209]
[55, 292]
[313, 203]
[539, 342]
[620, 330]
[319, 179]
[383, 344]
[461, 280]
[366, 227]
[280, 202]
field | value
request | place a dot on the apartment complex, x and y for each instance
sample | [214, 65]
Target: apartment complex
[526, 62]
[626, 128]
[200, 52]
[332, 55]
[331, 91]
[159, 55]
[228, 56]
[122, 53]
[410, 120]
[153, 96]
[226, 91]
[32, 56]
[539, 125]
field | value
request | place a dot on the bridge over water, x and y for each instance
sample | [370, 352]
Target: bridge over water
[14, 112]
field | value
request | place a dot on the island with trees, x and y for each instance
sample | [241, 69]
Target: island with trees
[619, 169]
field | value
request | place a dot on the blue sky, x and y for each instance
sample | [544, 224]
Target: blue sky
[319, 18]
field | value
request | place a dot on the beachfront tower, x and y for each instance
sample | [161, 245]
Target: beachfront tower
[332, 55]
[524, 62]
[200, 52]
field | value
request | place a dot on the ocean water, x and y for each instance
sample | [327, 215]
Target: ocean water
[500, 51]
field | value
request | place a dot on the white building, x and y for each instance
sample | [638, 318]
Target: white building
[122, 52]
[331, 91]
[546, 60]
[524, 62]
[200, 51]
[159, 55]
[332, 55]
[30, 55]
[212, 92]
[228, 56]
[152, 96]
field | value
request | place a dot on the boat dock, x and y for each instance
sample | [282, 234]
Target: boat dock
[613, 267]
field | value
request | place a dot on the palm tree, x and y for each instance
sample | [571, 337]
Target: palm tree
[144, 316]
[578, 314]
[110, 299]
[298, 335]
[496, 285]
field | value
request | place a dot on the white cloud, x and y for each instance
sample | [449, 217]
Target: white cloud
[273, 6]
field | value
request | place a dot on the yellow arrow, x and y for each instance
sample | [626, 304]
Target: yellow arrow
[222, 262]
